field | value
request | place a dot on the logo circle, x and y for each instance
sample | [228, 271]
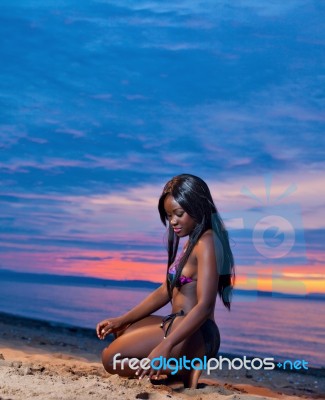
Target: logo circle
[273, 236]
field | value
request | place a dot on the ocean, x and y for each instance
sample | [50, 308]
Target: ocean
[264, 327]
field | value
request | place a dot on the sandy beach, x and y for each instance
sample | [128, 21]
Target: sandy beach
[40, 360]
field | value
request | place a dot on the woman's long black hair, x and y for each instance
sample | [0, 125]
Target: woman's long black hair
[194, 196]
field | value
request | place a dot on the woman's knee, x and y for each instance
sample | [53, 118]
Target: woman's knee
[117, 363]
[110, 360]
[137, 343]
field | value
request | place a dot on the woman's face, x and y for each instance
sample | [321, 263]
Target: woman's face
[182, 223]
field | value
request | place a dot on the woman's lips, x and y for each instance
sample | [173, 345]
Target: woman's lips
[177, 230]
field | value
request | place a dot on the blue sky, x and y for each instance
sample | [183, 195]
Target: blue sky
[103, 101]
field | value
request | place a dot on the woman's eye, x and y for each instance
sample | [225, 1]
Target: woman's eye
[179, 215]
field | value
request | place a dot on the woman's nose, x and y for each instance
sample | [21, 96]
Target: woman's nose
[173, 221]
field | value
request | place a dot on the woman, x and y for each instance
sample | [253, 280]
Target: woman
[203, 268]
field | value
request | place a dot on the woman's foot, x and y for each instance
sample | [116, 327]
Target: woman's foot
[191, 379]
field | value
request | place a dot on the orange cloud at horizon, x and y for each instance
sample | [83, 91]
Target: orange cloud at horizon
[120, 266]
[129, 270]
[285, 284]
[285, 280]
[150, 265]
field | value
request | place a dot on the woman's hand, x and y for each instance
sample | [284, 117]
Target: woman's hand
[162, 351]
[110, 325]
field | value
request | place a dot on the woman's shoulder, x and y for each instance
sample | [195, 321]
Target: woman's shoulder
[207, 236]
[204, 250]
[206, 241]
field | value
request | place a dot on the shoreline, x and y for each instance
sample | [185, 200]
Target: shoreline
[33, 350]
[89, 332]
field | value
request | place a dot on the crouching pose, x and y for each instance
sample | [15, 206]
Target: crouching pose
[195, 274]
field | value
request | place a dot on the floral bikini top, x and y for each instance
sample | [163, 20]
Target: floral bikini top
[182, 280]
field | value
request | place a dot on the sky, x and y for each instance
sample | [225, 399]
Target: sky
[102, 102]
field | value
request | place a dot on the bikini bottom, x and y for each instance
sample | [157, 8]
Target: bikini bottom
[209, 331]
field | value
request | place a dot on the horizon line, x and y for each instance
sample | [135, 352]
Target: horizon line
[137, 282]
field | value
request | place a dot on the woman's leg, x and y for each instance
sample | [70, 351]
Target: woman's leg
[140, 338]
[136, 341]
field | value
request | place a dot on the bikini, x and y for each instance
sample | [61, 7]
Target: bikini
[182, 280]
[208, 329]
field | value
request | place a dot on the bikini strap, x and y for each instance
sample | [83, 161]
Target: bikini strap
[169, 320]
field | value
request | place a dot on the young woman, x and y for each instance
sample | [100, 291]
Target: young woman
[203, 268]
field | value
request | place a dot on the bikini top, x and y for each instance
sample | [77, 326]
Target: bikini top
[182, 280]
